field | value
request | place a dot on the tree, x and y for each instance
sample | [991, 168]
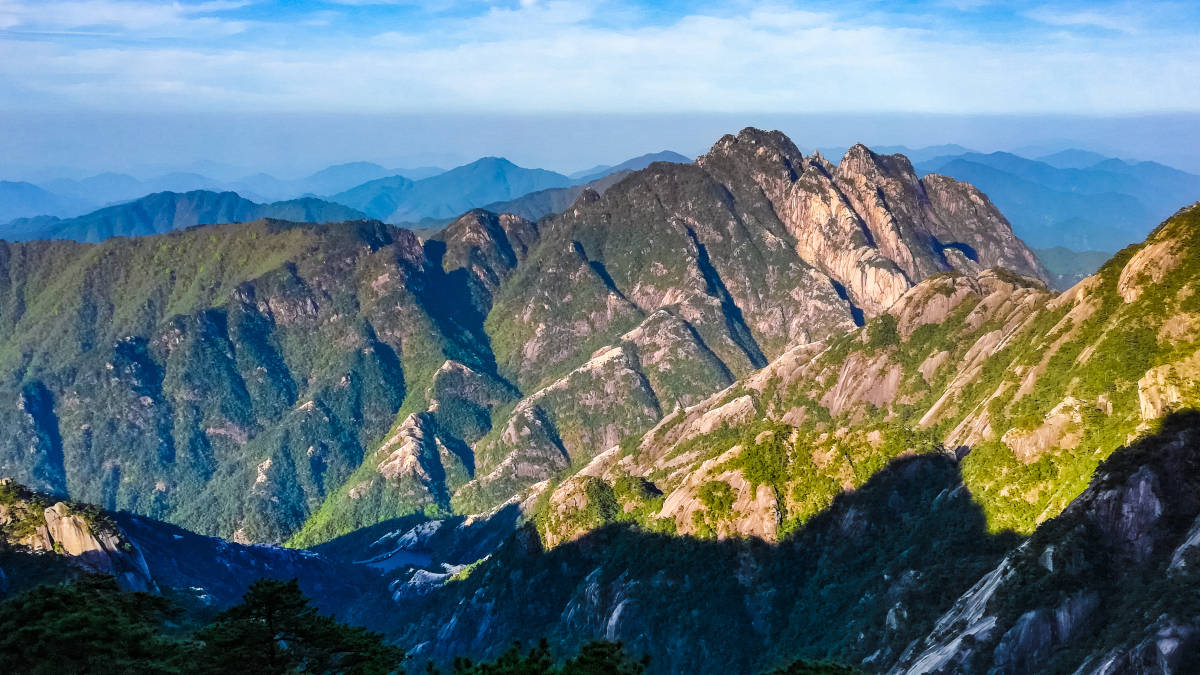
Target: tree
[604, 658]
[87, 626]
[803, 667]
[512, 662]
[595, 658]
[276, 630]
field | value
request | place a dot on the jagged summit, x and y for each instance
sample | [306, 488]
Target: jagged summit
[455, 372]
[862, 160]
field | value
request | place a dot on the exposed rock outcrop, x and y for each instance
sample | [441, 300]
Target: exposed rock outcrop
[88, 539]
[1104, 562]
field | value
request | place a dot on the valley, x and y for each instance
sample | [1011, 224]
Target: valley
[844, 403]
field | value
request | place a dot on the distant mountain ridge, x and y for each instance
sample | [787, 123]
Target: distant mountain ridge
[19, 199]
[107, 188]
[168, 211]
[634, 164]
[1105, 205]
[538, 205]
[396, 199]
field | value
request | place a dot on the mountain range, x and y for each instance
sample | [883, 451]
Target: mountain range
[168, 211]
[635, 164]
[1103, 206]
[427, 197]
[109, 188]
[19, 199]
[838, 401]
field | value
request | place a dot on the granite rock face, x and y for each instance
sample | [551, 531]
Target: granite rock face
[702, 273]
[1104, 573]
[86, 539]
[256, 380]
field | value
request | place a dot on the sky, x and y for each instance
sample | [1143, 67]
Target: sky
[125, 83]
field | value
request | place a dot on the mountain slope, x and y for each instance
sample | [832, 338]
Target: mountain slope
[447, 195]
[1035, 389]
[976, 405]
[168, 211]
[47, 540]
[226, 377]
[538, 205]
[677, 280]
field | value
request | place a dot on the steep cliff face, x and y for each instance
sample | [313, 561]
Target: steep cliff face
[45, 540]
[256, 380]
[85, 537]
[1106, 587]
[783, 245]
[684, 277]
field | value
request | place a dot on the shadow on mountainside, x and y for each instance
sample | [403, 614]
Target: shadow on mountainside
[860, 582]
[1109, 584]
[869, 575]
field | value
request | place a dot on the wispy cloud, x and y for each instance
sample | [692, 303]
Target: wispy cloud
[146, 19]
[569, 55]
[1118, 21]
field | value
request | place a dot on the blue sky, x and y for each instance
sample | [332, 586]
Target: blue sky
[290, 86]
[946, 56]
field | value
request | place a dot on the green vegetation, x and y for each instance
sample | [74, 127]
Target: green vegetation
[198, 360]
[25, 508]
[718, 498]
[594, 658]
[276, 630]
[803, 667]
[90, 625]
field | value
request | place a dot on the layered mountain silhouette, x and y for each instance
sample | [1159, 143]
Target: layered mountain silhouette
[397, 199]
[26, 200]
[169, 211]
[108, 188]
[1066, 201]
[635, 164]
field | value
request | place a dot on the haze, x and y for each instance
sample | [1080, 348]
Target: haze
[290, 87]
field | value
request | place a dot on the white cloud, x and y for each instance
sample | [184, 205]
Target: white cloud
[145, 19]
[1121, 22]
[552, 56]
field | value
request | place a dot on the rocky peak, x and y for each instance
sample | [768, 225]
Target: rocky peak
[819, 160]
[588, 196]
[499, 241]
[479, 251]
[769, 152]
[85, 537]
[859, 159]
